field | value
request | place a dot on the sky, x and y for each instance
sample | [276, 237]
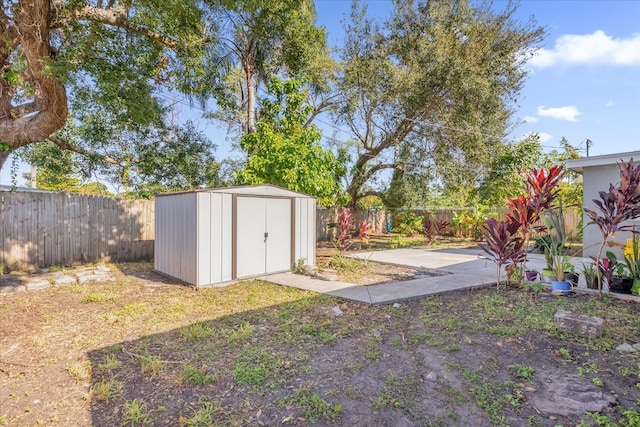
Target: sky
[583, 84]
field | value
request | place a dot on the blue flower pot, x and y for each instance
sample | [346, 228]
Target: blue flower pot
[563, 286]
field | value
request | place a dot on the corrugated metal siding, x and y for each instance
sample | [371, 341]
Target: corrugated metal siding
[214, 238]
[176, 237]
[305, 230]
[194, 233]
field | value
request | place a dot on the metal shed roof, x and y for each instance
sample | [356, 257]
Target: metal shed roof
[255, 190]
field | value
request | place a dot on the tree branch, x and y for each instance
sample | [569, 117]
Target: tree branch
[118, 17]
[65, 145]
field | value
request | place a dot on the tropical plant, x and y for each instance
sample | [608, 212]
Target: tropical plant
[607, 268]
[560, 264]
[590, 273]
[502, 243]
[345, 229]
[616, 206]
[526, 209]
[409, 223]
[632, 258]
[433, 229]
[363, 231]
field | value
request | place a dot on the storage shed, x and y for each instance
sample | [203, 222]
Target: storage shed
[211, 236]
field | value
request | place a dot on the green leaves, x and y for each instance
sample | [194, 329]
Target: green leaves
[282, 151]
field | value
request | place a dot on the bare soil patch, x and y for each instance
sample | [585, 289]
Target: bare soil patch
[142, 351]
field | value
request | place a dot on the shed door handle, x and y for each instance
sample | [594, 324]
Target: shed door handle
[265, 236]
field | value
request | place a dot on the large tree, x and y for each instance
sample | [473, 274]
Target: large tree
[257, 40]
[105, 54]
[435, 86]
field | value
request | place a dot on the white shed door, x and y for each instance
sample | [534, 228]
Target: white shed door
[263, 236]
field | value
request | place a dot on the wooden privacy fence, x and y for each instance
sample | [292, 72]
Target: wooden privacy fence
[327, 218]
[40, 229]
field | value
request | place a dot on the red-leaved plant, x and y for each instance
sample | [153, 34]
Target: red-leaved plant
[503, 244]
[542, 189]
[433, 229]
[363, 231]
[616, 206]
[345, 228]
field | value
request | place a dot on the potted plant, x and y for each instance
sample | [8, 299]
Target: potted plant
[559, 264]
[632, 261]
[590, 275]
[622, 282]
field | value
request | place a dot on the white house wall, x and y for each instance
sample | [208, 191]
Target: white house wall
[175, 241]
[596, 179]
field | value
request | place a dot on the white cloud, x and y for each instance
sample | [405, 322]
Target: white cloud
[542, 136]
[589, 49]
[530, 119]
[569, 113]
[610, 103]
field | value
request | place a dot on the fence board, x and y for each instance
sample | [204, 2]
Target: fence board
[40, 229]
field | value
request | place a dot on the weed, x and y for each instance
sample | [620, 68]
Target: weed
[313, 405]
[135, 413]
[254, 367]
[203, 414]
[298, 268]
[100, 297]
[372, 352]
[111, 362]
[106, 390]
[80, 370]
[564, 353]
[131, 310]
[244, 330]
[78, 289]
[523, 372]
[151, 365]
[193, 375]
[600, 419]
[597, 381]
[197, 331]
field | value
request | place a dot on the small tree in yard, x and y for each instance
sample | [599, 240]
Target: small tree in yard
[502, 243]
[345, 228]
[433, 229]
[616, 206]
[506, 240]
[542, 189]
[363, 231]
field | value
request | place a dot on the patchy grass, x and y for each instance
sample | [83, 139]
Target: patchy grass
[255, 353]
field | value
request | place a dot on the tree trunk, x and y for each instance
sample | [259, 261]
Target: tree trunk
[49, 96]
[251, 102]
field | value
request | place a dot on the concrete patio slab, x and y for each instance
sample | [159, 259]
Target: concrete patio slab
[455, 269]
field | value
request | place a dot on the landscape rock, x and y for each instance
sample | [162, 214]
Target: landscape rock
[626, 348]
[308, 270]
[637, 346]
[569, 395]
[376, 333]
[94, 278]
[34, 283]
[578, 324]
[10, 284]
[103, 269]
[396, 305]
[336, 311]
[431, 376]
[327, 274]
[63, 280]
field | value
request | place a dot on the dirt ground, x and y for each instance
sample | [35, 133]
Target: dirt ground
[143, 351]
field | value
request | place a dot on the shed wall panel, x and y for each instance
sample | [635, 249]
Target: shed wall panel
[226, 236]
[176, 242]
[203, 237]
